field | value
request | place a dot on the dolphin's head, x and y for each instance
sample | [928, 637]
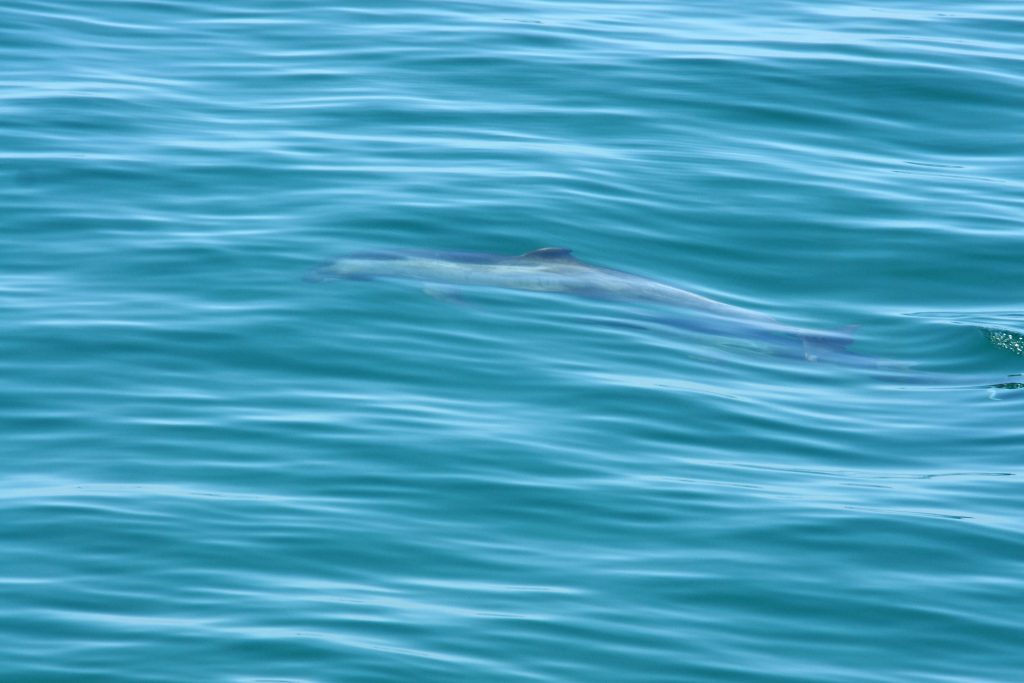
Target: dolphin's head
[320, 272]
[366, 265]
[355, 266]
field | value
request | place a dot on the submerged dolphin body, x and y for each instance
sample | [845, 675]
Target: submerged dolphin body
[556, 270]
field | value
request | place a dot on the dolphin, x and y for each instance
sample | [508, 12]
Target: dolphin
[556, 270]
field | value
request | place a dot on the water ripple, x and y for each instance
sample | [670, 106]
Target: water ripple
[216, 471]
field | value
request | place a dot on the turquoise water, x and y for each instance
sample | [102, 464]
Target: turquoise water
[216, 471]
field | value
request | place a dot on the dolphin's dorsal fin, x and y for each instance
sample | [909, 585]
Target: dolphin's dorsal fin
[549, 254]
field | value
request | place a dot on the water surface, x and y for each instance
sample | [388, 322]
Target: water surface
[215, 471]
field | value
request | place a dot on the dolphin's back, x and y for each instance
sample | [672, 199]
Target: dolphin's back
[550, 269]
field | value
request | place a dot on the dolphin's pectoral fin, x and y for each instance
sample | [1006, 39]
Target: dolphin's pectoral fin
[816, 344]
[444, 293]
[550, 254]
[810, 352]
